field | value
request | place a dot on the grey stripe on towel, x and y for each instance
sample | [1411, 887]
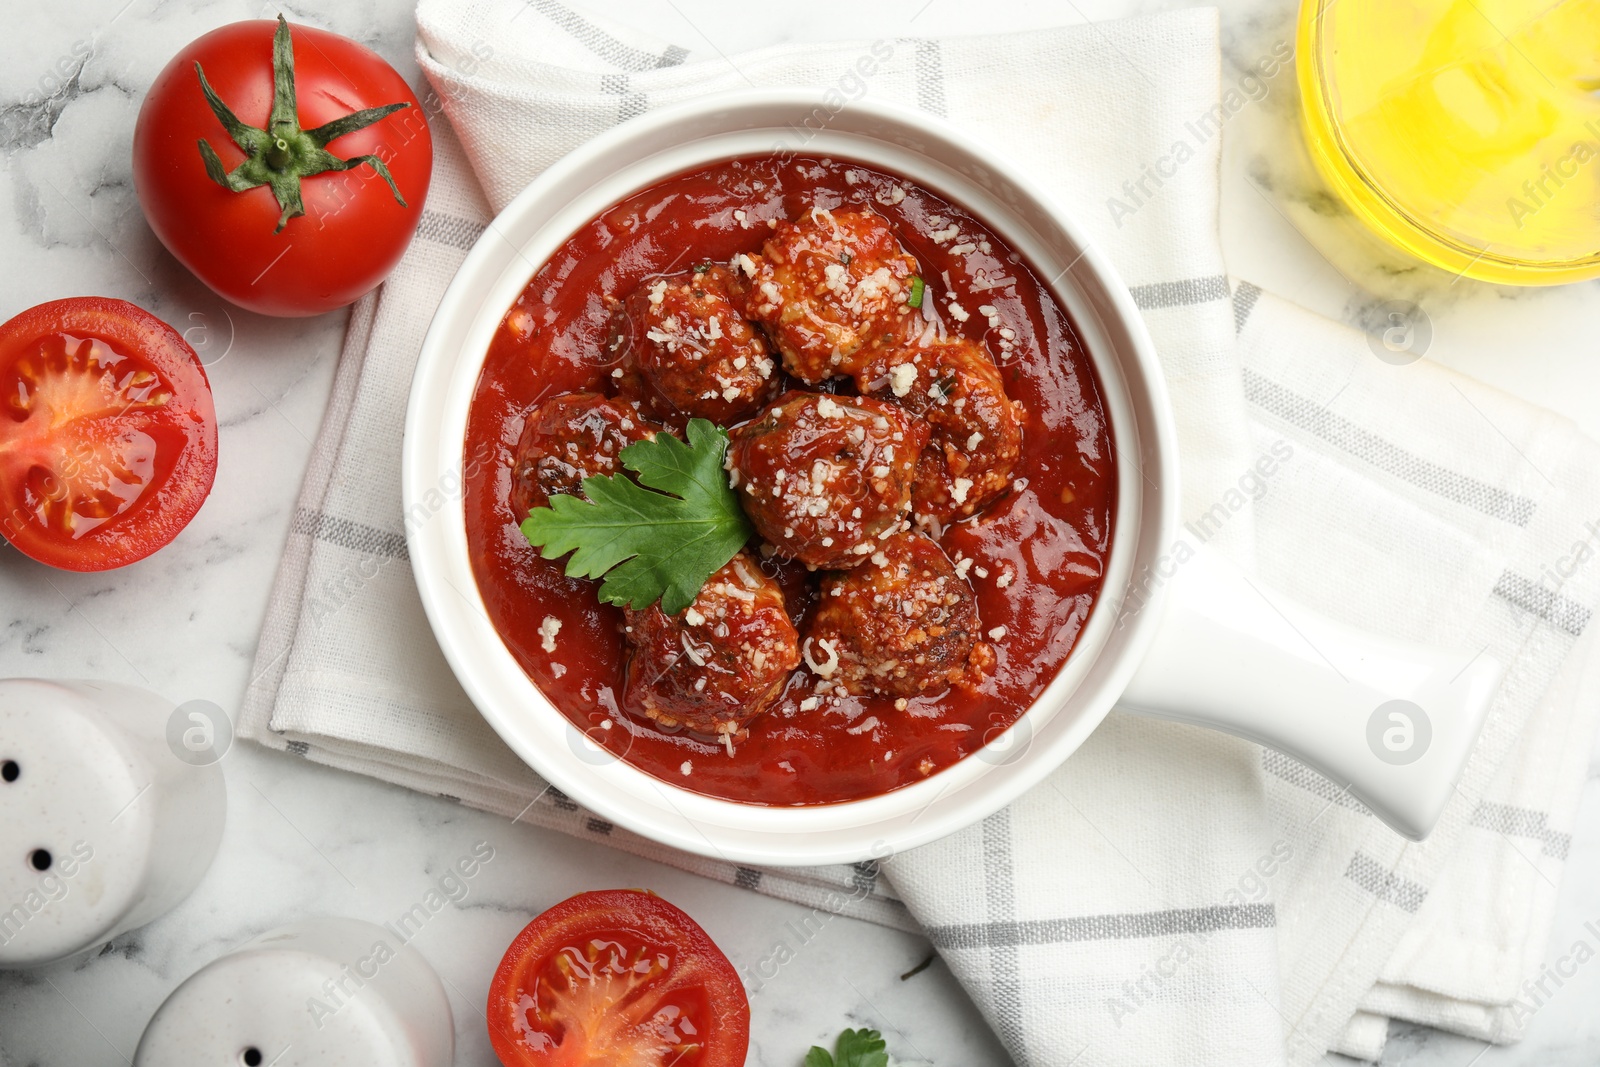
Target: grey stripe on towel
[1522, 822]
[1296, 773]
[603, 44]
[1180, 294]
[1125, 927]
[1530, 596]
[930, 77]
[1387, 886]
[631, 104]
[355, 536]
[1390, 458]
[1004, 972]
[448, 230]
[1244, 302]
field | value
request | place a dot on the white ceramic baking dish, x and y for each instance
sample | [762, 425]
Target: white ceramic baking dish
[1177, 632]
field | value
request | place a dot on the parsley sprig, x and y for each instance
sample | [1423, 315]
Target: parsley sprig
[649, 545]
[855, 1048]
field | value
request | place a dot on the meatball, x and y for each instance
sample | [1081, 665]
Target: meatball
[721, 661]
[977, 428]
[902, 624]
[826, 287]
[569, 438]
[693, 349]
[824, 477]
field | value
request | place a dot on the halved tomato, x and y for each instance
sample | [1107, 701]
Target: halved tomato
[108, 437]
[618, 977]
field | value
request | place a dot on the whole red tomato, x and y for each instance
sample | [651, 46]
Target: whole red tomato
[288, 196]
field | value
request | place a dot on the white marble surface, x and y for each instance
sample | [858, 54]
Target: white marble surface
[305, 840]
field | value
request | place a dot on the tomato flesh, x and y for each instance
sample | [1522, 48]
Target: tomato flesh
[620, 978]
[107, 433]
[609, 999]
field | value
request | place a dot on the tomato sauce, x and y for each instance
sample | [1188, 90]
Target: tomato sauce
[1038, 553]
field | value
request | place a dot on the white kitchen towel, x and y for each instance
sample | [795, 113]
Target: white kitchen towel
[1133, 909]
[1475, 523]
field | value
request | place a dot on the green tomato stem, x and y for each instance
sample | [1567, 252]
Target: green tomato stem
[280, 159]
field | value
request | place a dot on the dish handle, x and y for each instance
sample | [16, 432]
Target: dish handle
[1390, 722]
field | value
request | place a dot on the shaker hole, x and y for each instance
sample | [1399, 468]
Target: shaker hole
[10, 770]
[41, 859]
[251, 1057]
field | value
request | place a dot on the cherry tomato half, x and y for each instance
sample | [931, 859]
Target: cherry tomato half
[108, 438]
[617, 977]
[240, 238]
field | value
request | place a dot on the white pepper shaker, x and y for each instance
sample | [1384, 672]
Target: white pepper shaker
[103, 826]
[318, 993]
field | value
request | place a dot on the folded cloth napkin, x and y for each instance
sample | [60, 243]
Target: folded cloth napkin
[1425, 505]
[1169, 895]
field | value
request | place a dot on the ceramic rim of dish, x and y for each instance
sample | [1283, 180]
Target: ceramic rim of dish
[971, 175]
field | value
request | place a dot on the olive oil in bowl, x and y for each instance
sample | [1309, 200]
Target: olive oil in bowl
[1466, 132]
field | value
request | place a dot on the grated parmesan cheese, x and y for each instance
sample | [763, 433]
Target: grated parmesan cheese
[825, 668]
[696, 655]
[902, 378]
[548, 630]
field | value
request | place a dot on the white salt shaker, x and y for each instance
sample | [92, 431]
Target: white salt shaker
[105, 825]
[324, 992]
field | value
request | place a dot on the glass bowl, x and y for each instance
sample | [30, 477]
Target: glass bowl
[1465, 132]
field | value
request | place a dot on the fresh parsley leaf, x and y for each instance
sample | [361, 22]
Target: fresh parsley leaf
[861, 1048]
[649, 545]
[855, 1048]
